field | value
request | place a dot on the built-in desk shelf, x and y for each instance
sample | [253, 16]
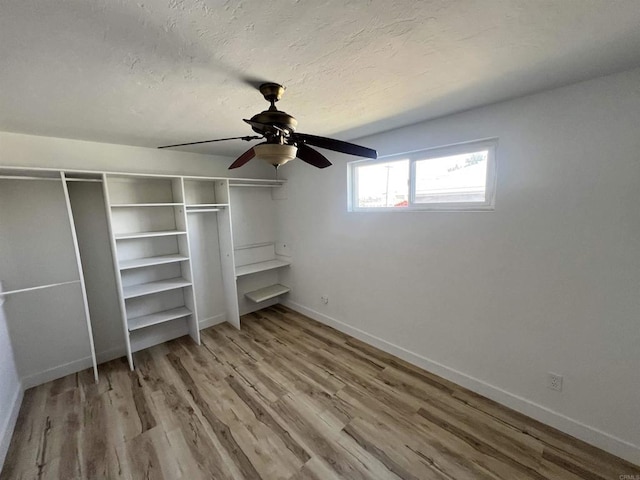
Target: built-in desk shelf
[156, 318]
[260, 267]
[267, 293]
[160, 233]
[150, 261]
[154, 287]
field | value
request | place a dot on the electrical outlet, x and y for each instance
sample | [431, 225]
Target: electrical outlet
[554, 381]
[324, 299]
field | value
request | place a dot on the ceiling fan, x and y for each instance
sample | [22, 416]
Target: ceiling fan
[282, 142]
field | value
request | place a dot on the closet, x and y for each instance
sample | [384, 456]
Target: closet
[209, 226]
[99, 265]
[151, 257]
[86, 197]
[42, 283]
[259, 254]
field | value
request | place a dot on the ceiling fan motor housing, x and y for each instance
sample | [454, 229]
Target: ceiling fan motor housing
[276, 118]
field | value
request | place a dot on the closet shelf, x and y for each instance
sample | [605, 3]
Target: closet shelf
[156, 318]
[260, 267]
[71, 179]
[160, 233]
[255, 182]
[149, 261]
[154, 287]
[132, 205]
[203, 205]
[267, 293]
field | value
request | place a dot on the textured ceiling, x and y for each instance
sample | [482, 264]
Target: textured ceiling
[152, 72]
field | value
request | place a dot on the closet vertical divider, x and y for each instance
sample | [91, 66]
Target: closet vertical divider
[227, 260]
[179, 195]
[116, 267]
[83, 288]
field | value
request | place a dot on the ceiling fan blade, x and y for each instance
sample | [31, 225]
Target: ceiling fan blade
[312, 157]
[335, 145]
[244, 158]
[245, 138]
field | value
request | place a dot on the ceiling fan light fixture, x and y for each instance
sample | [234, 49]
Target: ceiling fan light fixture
[275, 154]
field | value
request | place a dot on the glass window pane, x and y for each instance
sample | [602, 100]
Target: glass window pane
[383, 184]
[451, 179]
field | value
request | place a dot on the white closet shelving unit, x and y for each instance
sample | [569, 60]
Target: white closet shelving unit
[209, 223]
[258, 256]
[150, 245]
[109, 263]
[43, 292]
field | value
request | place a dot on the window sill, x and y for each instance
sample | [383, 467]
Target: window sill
[433, 209]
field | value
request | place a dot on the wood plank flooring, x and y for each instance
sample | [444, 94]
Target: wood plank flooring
[285, 398]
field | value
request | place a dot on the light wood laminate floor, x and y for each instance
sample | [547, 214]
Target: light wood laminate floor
[285, 398]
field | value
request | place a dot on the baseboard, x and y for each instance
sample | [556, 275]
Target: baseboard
[105, 356]
[118, 352]
[54, 373]
[6, 432]
[586, 433]
[211, 321]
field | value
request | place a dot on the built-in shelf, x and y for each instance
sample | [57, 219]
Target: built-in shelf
[260, 267]
[205, 205]
[149, 261]
[96, 180]
[135, 205]
[160, 233]
[82, 177]
[29, 174]
[155, 318]
[246, 182]
[154, 287]
[267, 293]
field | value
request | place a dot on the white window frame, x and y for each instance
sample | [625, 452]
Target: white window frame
[490, 145]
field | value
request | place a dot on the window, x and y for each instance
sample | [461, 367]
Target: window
[457, 177]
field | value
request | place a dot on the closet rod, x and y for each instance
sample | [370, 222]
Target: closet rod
[201, 210]
[39, 287]
[24, 177]
[276, 185]
[97, 180]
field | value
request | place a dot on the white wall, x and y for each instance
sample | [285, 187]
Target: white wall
[548, 282]
[10, 389]
[33, 151]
